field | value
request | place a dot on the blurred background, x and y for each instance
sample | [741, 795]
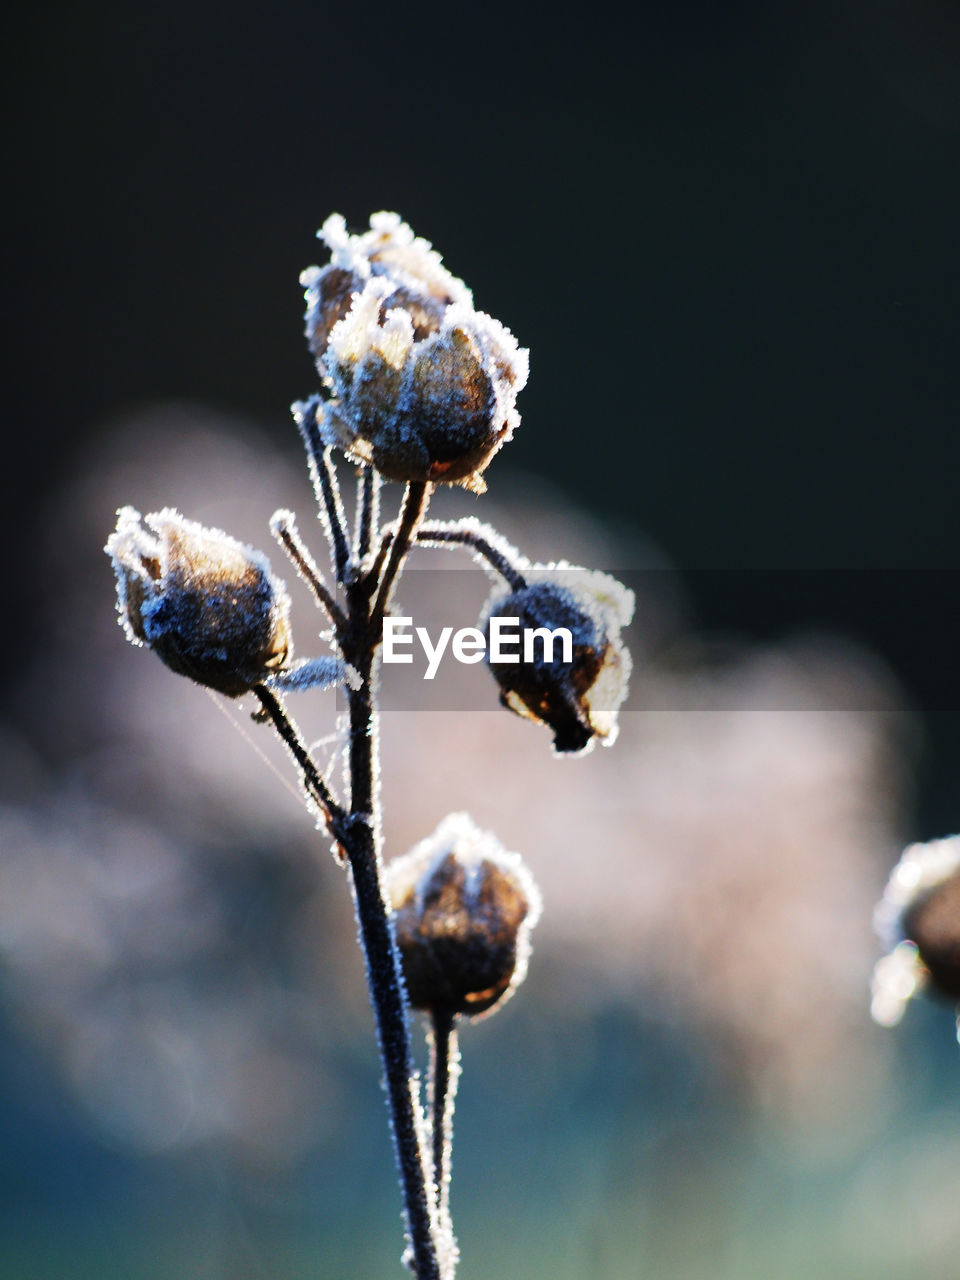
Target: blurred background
[727, 233]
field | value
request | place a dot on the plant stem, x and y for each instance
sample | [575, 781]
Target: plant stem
[285, 531]
[416, 498]
[313, 782]
[363, 847]
[368, 511]
[436, 532]
[323, 476]
[337, 521]
[442, 1092]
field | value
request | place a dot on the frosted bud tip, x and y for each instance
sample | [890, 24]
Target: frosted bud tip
[419, 384]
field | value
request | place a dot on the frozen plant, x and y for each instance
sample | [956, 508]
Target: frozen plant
[206, 604]
[417, 387]
[463, 912]
[576, 695]
[420, 384]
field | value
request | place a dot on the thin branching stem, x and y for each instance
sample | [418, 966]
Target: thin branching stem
[442, 1092]
[359, 834]
[323, 476]
[336, 517]
[368, 511]
[416, 498]
[313, 781]
[435, 532]
[384, 970]
[375, 572]
[285, 531]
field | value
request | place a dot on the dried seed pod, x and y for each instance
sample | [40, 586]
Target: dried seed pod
[578, 693]
[919, 919]
[463, 911]
[421, 385]
[207, 605]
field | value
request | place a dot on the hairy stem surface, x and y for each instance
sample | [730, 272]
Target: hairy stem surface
[442, 1089]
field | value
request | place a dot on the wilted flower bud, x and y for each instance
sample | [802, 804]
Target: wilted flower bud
[464, 909]
[207, 605]
[422, 385]
[919, 919]
[576, 693]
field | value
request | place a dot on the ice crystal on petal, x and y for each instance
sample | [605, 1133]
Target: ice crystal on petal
[315, 673]
[422, 386]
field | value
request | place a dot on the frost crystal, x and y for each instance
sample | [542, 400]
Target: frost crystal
[207, 605]
[464, 908]
[579, 699]
[419, 383]
[918, 918]
[315, 673]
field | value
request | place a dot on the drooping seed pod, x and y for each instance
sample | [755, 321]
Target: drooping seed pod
[463, 910]
[420, 384]
[575, 689]
[207, 605]
[919, 920]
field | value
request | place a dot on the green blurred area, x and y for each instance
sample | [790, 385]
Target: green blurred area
[624, 1161]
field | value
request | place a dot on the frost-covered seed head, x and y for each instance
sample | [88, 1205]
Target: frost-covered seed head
[579, 700]
[207, 605]
[421, 385]
[919, 919]
[463, 910]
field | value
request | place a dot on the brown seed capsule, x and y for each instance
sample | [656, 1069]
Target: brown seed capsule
[207, 605]
[422, 386]
[463, 912]
[576, 691]
[934, 925]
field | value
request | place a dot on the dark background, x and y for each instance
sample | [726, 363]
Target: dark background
[726, 231]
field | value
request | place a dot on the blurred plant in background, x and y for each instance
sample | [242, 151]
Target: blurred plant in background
[919, 920]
